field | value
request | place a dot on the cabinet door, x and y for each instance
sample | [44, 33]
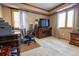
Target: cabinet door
[1, 16]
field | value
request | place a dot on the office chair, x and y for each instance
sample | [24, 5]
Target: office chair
[29, 38]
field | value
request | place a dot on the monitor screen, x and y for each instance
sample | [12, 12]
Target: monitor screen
[44, 23]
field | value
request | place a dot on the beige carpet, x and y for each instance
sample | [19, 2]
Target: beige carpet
[51, 46]
[42, 51]
[25, 47]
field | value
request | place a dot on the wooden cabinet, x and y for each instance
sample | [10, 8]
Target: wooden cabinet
[74, 38]
[42, 32]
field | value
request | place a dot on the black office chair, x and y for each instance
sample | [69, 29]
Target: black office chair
[29, 38]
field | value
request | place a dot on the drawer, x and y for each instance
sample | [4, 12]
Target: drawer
[76, 43]
[75, 39]
[73, 35]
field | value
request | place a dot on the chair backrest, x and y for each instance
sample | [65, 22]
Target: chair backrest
[31, 32]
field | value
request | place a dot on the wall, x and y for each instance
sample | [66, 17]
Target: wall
[60, 33]
[53, 24]
[25, 6]
[32, 17]
[7, 14]
[64, 33]
[1, 15]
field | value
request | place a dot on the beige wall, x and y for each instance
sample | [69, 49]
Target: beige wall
[7, 14]
[53, 23]
[26, 7]
[32, 17]
[60, 33]
[64, 33]
[1, 15]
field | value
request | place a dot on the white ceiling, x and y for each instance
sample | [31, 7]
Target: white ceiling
[46, 6]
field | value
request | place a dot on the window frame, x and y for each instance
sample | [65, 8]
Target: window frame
[58, 20]
[73, 17]
[66, 19]
[16, 11]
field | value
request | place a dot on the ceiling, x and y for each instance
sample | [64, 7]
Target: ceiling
[41, 8]
[46, 6]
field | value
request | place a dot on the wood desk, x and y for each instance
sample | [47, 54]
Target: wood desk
[10, 40]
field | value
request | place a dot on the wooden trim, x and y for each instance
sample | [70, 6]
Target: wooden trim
[44, 9]
[35, 7]
[36, 12]
[56, 7]
[27, 10]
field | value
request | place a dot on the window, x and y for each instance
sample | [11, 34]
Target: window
[70, 18]
[24, 20]
[65, 19]
[16, 19]
[61, 19]
[20, 19]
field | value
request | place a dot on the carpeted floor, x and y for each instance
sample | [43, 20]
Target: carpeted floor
[51, 46]
[41, 51]
[25, 47]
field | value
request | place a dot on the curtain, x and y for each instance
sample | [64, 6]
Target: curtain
[23, 22]
[20, 20]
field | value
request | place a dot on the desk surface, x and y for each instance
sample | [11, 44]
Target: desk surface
[14, 33]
